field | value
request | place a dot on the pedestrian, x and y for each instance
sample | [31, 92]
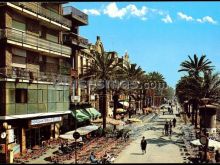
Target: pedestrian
[174, 122]
[169, 110]
[93, 159]
[166, 127]
[170, 127]
[143, 145]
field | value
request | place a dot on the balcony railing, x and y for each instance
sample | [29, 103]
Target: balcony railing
[75, 39]
[27, 74]
[28, 39]
[75, 13]
[38, 9]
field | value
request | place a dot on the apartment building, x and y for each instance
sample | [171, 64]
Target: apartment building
[80, 103]
[34, 74]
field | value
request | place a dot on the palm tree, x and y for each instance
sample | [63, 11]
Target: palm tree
[103, 67]
[155, 78]
[195, 67]
[132, 73]
[211, 86]
[188, 88]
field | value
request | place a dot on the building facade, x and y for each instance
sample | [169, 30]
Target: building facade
[34, 75]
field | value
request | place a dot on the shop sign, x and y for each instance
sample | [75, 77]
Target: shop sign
[46, 120]
[11, 136]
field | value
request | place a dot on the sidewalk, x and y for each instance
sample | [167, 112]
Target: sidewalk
[160, 149]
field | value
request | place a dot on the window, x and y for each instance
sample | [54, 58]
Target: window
[52, 38]
[19, 57]
[21, 95]
[18, 25]
[59, 96]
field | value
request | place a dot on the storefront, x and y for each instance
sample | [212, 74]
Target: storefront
[28, 132]
[42, 129]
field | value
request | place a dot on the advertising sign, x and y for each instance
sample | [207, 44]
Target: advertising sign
[46, 120]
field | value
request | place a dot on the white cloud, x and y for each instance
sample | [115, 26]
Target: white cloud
[112, 11]
[134, 11]
[185, 17]
[167, 19]
[91, 11]
[160, 12]
[207, 19]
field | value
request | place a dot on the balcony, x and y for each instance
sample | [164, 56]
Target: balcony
[71, 38]
[35, 9]
[31, 76]
[29, 41]
[77, 16]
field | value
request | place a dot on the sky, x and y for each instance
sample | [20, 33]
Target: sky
[158, 36]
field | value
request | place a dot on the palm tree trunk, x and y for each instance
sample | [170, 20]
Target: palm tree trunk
[196, 114]
[129, 107]
[193, 111]
[104, 106]
[115, 99]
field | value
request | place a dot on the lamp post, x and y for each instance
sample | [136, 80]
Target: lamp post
[4, 136]
[205, 102]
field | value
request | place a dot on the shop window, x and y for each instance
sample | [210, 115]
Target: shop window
[21, 95]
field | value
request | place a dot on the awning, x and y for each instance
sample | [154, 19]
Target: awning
[82, 130]
[93, 113]
[124, 103]
[80, 115]
[69, 137]
[212, 143]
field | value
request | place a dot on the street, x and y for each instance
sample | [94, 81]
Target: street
[160, 148]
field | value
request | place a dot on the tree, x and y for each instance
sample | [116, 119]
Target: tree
[103, 67]
[195, 67]
[154, 78]
[132, 73]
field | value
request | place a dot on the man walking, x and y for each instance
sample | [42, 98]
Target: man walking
[170, 126]
[174, 122]
[166, 127]
[143, 145]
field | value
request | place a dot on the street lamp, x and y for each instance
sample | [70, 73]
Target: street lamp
[205, 136]
[76, 134]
